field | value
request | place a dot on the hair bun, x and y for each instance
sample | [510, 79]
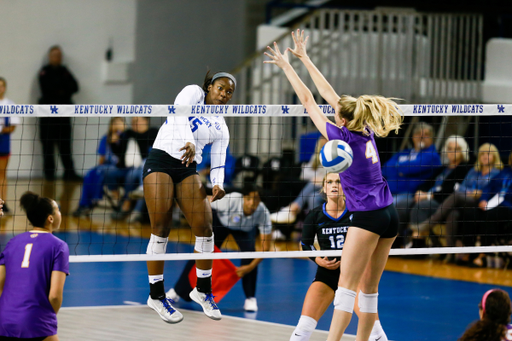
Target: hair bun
[28, 200]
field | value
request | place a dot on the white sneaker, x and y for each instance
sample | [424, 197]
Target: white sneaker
[278, 235]
[207, 303]
[251, 304]
[165, 309]
[173, 295]
[283, 216]
[137, 193]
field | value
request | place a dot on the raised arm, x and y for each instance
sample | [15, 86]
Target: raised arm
[324, 88]
[303, 93]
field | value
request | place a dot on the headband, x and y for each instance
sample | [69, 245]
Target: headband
[484, 298]
[224, 75]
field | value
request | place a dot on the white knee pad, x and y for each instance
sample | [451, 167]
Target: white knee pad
[157, 245]
[368, 302]
[345, 299]
[204, 244]
[306, 323]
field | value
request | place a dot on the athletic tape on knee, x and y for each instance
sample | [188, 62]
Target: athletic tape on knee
[345, 300]
[306, 323]
[157, 245]
[368, 302]
[204, 244]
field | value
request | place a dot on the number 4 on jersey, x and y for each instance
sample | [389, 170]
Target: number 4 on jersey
[371, 153]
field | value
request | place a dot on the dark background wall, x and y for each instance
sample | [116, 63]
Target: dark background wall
[177, 41]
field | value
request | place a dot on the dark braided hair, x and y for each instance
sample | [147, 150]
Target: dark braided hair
[496, 315]
[38, 208]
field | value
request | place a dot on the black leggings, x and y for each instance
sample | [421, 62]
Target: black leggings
[450, 213]
[246, 242]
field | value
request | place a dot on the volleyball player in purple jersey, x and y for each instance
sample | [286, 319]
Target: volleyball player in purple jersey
[375, 220]
[494, 324]
[33, 269]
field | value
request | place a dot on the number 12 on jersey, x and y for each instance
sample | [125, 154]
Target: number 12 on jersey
[338, 243]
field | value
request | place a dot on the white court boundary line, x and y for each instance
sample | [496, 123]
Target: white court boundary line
[280, 254]
[101, 307]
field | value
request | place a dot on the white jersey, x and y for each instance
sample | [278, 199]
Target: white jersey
[11, 120]
[200, 130]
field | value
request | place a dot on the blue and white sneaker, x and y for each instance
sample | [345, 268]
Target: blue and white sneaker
[207, 303]
[165, 309]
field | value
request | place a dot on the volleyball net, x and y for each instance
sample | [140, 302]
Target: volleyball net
[274, 146]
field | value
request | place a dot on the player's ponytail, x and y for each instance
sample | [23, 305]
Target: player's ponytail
[207, 81]
[379, 114]
[37, 208]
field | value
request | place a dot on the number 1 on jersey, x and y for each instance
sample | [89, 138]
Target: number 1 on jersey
[26, 257]
[371, 153]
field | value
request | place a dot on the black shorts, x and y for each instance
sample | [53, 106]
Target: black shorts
[161, 162]
[328, 277]
[383, 222]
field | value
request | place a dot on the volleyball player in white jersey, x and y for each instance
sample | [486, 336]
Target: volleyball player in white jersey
[170, 173]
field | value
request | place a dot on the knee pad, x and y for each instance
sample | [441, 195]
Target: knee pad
[204, 244]
[368, 302]
[306, 323]
[157, 245]
[344, 300]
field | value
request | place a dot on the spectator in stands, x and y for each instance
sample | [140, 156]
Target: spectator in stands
[57, 86]
[136, 142]
[109, 152]
[313, 172]
[410, 168]
[495, 210]
[428, 197]
[468, 194]
[494, 323]
[7, 126]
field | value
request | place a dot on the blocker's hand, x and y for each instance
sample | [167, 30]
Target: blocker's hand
[217, 193]
[277, 57]
[325, 262]
[300, 44]
[189, 154]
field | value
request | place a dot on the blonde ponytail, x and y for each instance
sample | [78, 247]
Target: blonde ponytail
[379, 114]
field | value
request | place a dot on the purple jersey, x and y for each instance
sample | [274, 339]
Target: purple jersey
[508, 335]
[364, 186]
[29, 259]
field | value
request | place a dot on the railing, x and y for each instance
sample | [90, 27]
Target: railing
[419, 57]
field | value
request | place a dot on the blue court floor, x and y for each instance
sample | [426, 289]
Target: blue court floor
[411, 307]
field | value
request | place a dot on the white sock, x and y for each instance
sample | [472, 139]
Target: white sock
[378, 333]
[304, 329]
[155, 278]
[203, 273]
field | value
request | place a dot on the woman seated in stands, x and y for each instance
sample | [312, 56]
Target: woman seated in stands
[313, 172]
[137, 143]
[492, 221]
[487, 166]
[431, 194]
[109, 151]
